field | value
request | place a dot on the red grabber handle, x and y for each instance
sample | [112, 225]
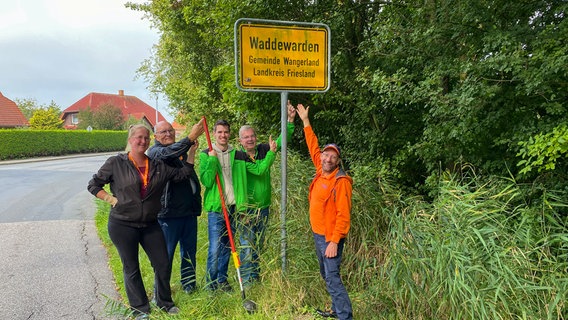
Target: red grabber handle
[225, 212]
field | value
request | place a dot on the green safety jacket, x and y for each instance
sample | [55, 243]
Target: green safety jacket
[259, 187]
[241, 164]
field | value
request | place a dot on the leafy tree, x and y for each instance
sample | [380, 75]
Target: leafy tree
[108, 117]
[417, 86]
[46, 118]
[132, 121]
[28, 106]
[441, 83]
[85, 118]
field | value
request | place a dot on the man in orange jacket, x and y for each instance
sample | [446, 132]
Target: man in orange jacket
[330, 210]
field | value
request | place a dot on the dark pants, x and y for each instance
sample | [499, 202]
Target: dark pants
[251, 227]
[184, 231]
[127, 239]
[330, 272]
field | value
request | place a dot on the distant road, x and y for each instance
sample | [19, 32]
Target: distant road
[52, 263]
[47, 190]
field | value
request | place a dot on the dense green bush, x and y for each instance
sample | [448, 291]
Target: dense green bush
[17, 144]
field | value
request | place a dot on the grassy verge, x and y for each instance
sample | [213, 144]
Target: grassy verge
[479, 249]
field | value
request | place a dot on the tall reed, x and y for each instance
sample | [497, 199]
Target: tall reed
[478, 252]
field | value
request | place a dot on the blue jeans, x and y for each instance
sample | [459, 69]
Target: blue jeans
[330, 272]
[251, 229]
[184, 231]
[219, 251]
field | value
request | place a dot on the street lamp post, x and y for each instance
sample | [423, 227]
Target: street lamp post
[156, 108]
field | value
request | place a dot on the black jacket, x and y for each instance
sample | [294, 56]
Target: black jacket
[125, 184]
[182, 198]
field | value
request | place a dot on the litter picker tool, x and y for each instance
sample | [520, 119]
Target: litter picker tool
[249, 305]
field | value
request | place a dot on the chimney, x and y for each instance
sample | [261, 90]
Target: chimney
[121, 93]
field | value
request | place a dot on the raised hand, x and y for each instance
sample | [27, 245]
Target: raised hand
[291, 112]
[191, 152]
[196, 131]
[272, 143]
[303, 113]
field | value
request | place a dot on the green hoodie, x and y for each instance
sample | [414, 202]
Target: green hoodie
[210, 167]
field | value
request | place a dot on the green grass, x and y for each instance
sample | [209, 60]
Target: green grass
[480, 249]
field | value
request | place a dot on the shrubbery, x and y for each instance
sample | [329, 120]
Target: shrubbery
[18, 144]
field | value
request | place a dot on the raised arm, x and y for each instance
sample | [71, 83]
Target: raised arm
[170, 152]
[196, 131]
[258, 168]
[192, 151]
[303, 114]
[289, 126]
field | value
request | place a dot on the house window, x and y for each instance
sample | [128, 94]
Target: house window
[74, 118]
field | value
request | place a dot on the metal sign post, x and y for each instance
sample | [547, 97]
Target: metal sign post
[282, 56]
[283, 173]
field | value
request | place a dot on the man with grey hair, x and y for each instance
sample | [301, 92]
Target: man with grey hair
[251, 229]
[181, 201]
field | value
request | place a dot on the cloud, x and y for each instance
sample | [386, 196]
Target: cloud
[60, 50]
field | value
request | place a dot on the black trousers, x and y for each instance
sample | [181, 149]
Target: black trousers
[127, 240]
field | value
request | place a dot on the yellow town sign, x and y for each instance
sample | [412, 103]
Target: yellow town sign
[281, 57]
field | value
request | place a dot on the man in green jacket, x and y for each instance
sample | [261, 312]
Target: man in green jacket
[232, 166]
[259, 190]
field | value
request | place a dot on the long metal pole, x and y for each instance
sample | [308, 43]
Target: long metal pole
[157, 108]
[283, 179]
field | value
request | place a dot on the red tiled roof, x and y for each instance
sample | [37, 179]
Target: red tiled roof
[130, 106]
[177, 126]
[10, 114]
[180, 129]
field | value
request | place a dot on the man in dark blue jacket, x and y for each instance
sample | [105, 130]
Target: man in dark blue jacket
[181, 201]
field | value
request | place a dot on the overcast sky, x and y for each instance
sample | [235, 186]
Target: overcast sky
[61, 50]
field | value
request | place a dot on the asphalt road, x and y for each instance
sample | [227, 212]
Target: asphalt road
[52, 263]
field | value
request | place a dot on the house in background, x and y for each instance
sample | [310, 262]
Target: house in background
[180, 129]
[10, 114]
[131, 106]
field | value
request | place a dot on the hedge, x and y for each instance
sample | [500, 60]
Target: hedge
[18, 144]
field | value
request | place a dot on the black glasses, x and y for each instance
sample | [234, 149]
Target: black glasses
[170, 131]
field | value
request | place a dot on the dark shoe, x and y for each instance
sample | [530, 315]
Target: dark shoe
[225, 286]
[189, 289]
[212, 286]
[327, 314]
